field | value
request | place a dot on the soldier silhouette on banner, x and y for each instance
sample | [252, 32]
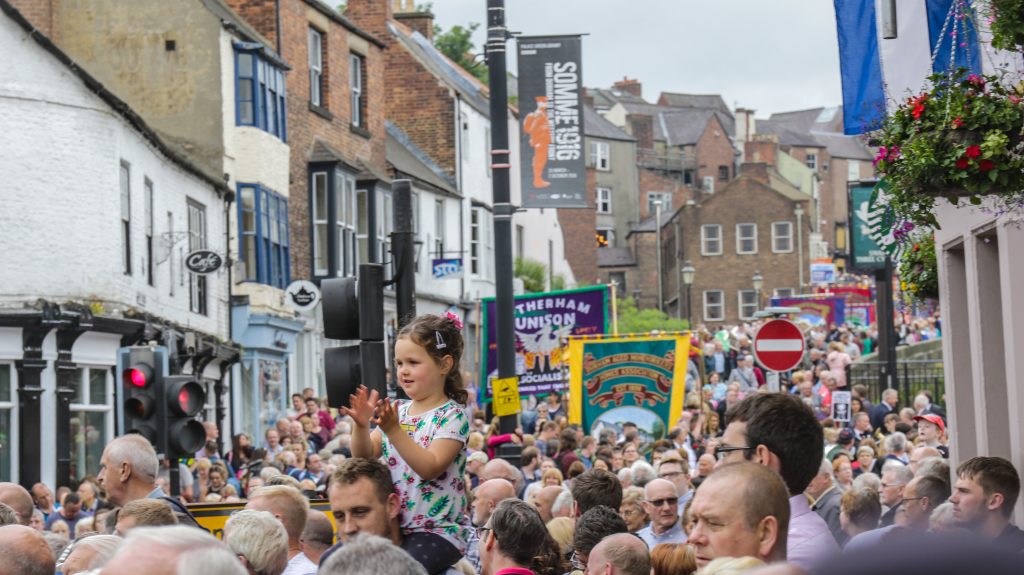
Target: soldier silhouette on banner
[537, 126]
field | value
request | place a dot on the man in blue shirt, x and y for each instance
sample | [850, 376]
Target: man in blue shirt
[661, 501]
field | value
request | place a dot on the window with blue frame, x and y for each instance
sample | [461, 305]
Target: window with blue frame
[259, 91]
[263, 237]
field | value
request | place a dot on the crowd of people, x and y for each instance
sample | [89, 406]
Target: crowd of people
[745, 480]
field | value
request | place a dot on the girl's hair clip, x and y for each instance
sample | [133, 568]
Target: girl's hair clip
[440, 341]
[455, 319]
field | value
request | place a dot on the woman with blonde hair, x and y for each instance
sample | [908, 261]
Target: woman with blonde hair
[551, 477]
[731, 566]
[673, 559]
[561, 530]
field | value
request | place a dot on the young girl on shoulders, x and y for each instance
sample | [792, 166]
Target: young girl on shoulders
[422, 439]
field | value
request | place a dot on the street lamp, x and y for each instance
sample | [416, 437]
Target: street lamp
[758, 281]
[688, 271]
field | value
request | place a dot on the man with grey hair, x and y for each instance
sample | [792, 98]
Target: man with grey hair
[8, 515]
[562, 507]
[744, 375]
[619, 554]
[367, 554]
[175, 550]
[824, 496]
[90, 553]
[890, 397]
[128, 471]
[290, 507]
[896, 448]
[259, 540]
[643, 473]
[894, 481]
[317, 536]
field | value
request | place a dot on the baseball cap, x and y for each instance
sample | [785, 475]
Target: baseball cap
[846, 436]
[932, 418]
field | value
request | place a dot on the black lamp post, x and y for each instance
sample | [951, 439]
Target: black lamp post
[688, 272]
[758, 281]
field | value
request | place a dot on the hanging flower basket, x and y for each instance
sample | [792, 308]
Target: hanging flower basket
[964, 138]
[918, 269]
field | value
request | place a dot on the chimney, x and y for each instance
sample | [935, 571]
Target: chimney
[642, 128]
[423, 22]
[631, 86]
[588, 98]
[755, 170]
[372, 16]
[761, 149]
[744, 124]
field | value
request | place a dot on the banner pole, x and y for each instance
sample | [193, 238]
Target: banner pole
[497, 36]
[615, 309]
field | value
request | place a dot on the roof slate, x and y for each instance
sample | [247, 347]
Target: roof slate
[442, 67]
[615, 257]
[597, 126]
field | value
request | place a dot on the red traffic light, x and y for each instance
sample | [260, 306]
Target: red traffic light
[185, 396]
[139, 375]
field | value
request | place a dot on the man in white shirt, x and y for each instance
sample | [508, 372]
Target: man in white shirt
[290, 507]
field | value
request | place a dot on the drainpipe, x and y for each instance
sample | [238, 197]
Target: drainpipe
[799, 211]
[225, 373]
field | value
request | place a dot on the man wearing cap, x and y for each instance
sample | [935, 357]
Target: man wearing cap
[844, 444]
[931, 430]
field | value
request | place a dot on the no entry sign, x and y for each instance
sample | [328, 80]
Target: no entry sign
[779, 345]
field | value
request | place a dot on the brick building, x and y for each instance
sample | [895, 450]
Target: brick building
[747, 226]
[339, 188]
[815, 138]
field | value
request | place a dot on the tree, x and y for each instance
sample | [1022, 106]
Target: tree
[534, 275]
[457, 44]
[633, 320]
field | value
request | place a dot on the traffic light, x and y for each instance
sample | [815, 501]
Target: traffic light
[142, 370]
[354, 310]
[182, 435]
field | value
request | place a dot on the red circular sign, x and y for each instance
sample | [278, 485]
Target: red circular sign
[779, 345]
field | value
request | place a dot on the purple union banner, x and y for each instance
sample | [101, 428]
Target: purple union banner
[542, 320]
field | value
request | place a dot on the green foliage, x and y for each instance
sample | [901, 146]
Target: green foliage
[1007, 24]
[965, 137]
[534, 275]
[919, 270]
[633, 320]
[557, 282]
[457, 44]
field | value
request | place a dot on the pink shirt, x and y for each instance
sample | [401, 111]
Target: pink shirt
[809, 540]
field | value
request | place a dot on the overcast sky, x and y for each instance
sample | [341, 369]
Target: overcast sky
[772, 56]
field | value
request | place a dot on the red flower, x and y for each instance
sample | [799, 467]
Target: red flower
[958, 122]
[986, 165]
[963, 163]
[973, 151]
[917, 111]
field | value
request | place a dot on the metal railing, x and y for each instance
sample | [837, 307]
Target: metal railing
[912, 376]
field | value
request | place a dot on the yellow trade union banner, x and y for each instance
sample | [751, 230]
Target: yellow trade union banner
[213, 516]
